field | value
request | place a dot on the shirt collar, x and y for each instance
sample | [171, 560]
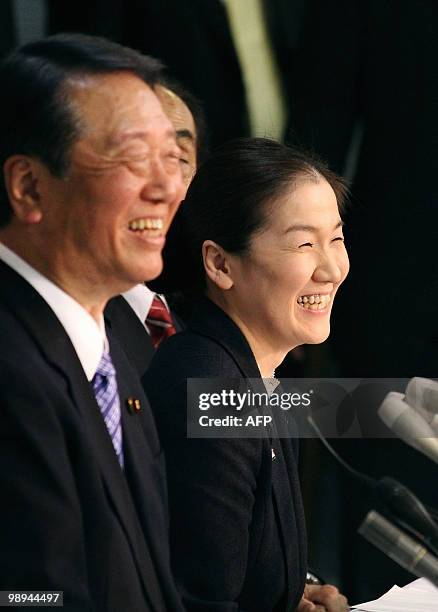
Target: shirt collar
[88, 337]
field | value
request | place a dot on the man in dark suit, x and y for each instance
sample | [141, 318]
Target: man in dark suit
[141, 319]
[88, 158]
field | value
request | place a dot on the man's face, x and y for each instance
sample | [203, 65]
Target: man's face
[107, 219]
[182, 120]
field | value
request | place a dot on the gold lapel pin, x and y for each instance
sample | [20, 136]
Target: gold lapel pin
[133, 404]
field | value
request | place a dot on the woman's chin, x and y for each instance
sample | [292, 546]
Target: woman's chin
[317, 336]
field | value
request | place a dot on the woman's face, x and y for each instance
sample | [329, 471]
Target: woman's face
[284, 287]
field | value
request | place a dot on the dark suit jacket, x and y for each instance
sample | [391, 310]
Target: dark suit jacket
[70, 519]
[131, 334]
[237, 527]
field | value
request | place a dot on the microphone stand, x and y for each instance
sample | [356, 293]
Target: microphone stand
[398, 501]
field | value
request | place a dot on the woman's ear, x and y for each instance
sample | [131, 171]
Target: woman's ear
[216, 264]
[21, 178]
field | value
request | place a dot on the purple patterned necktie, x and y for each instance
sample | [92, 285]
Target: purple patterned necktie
[107, 397]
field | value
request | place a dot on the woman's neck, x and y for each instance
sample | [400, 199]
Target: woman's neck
[267, 357]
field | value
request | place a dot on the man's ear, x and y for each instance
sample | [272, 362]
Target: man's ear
[21, 178]
[216, 265]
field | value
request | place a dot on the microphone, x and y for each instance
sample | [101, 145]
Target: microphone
[395, 497]
[408, 511]
[422, 395]
[402, 548]
[408, 425]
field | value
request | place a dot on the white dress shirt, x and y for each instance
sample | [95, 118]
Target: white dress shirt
[140, 299]
[88, 338]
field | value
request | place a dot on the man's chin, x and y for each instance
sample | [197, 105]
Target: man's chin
[153, 269]
[139, 276]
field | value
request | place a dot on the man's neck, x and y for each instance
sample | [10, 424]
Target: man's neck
[78, 288]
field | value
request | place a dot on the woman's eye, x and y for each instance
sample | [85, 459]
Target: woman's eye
[310, 244]
[184, 161]
[338, 239]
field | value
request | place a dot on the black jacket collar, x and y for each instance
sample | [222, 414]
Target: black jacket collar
[211, 321]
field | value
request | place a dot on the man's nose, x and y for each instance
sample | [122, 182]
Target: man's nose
[162, 186]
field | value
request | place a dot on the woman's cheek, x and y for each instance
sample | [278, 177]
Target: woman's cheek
[345, 264]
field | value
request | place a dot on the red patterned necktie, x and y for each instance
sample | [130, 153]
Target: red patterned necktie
[159, 322]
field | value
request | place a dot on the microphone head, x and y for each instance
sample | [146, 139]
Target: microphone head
[404, 506]
[408, 425]
[402, 419]
[404, 549]
[422, 396]
[392, 408]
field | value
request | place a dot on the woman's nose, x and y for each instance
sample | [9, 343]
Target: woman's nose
[331, 267]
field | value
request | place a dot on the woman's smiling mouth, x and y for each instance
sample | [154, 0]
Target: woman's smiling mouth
[314, 301]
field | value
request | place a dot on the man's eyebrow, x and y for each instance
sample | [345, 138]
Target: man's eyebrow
[184, 134]
[310, 228]
[118, 139]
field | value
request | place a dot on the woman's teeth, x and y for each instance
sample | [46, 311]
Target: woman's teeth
[146, 224]
[314, 301]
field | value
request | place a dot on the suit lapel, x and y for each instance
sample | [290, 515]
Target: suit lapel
[49, 334]
[130, 333]
[287, 498]
[138, 459]
[179, 325]
[287, 495]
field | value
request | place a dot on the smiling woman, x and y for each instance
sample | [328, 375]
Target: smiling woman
[264, 231]
[266, 258]
[280, 291]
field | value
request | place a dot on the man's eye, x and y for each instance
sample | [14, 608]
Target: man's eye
[338, 239]
[310, 244]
